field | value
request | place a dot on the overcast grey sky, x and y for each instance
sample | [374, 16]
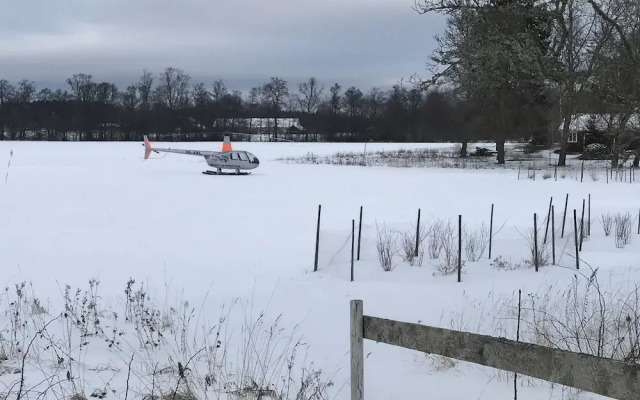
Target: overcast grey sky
[244, 42]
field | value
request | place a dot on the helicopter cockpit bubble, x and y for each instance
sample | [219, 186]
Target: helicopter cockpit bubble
[252, 158]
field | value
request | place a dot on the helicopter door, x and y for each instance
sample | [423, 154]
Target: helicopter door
[243, 156]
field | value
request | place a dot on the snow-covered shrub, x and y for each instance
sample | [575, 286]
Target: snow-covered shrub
[543, 254]
[607, 223]
[585, 318]
[449, 244]
[595, 151]
[476, 242]
[506, 265]
[408, 246]
[386, 246]
[65, 353]
[434, 242]
[623, 228]
[442, 246]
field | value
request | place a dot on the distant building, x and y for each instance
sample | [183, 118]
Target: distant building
[586, 129]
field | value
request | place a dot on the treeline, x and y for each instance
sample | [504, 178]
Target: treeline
[502, 69]
[530, 65]
[169, 103]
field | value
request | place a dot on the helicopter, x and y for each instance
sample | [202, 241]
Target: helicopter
[239, 161]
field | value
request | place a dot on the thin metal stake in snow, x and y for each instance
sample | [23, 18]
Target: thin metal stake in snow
[575, 237]
[315, 265]
[359, 232]
[353, 237]
[459, 248]
[564, 216]
[589, 218]
[417, 234]
[546, 230]
[582, 226]
[535, 240]
[491, 231]
[553, 234]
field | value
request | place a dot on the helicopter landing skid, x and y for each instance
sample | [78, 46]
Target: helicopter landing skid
[209, 172]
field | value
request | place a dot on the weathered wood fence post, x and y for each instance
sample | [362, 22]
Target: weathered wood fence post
[357, 350]
[599, 375]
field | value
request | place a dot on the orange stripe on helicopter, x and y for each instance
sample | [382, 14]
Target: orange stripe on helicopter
[226, 144]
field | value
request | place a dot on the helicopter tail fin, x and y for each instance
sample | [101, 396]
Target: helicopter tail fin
[226, 144]
[147, 147]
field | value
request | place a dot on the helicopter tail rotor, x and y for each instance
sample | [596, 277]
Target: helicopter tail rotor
[147, 147]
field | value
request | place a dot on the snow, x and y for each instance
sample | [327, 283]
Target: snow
[72, 212]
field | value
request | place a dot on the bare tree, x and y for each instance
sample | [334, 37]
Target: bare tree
[353, 103]
[173, 88]
[495, 52]
[25, 92]
[617, 73]
[6, 93]
[397, 111]
[275, 93]
[201, 96]
[83, 87]
[83, 91]
[374, 102]
[253, 103]
[45, 95]
[219, 90]
[129, 97]
[310, 93]
[145, 86]
[578, 39]
[373, 110]
[107, 93]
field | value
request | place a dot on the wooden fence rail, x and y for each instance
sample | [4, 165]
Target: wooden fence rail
[606, 377]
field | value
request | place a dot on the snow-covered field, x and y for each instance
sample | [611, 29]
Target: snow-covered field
[95, 215]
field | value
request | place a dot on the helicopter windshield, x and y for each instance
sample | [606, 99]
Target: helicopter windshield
[252, 159]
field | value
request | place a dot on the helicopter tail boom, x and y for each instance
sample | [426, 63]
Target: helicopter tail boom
[148, 149]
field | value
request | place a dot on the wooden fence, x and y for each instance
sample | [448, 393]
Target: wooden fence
[606, 377]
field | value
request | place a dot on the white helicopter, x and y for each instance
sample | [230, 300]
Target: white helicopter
[239, 161]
